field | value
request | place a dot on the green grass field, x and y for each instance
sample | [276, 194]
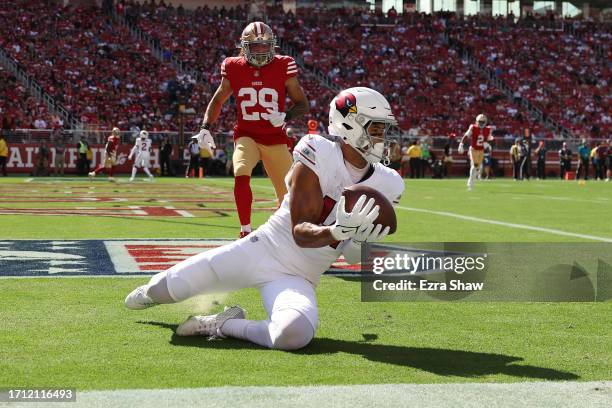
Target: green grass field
[75, 331]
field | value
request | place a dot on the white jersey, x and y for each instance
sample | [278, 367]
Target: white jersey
[325, 158]
[142, 145]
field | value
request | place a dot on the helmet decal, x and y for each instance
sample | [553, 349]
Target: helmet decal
[346, 103]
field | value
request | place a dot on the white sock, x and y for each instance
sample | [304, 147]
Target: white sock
[473, 172]
[245, 228]
[134, 170]
[146, 170]
[257, 332]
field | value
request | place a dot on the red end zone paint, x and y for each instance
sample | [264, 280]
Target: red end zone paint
[133, 256]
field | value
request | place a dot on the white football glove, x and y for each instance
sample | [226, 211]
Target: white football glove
[205, 140]
[349, 224]
[460, 149]
[351, 248]
[276, 118]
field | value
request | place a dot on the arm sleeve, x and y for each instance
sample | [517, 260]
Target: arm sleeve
[306, 153]
[292, 69]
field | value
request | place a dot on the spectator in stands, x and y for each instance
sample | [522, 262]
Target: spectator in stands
[540, 153]
[60, 155]
[565, 160]
[4, 152]
[42, 160]
[414, 159]
[583, 160]
[8, 124]
[165, 155]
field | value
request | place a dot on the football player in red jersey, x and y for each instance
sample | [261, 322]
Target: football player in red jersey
[259, 81]
[110, 156]
[478, 133]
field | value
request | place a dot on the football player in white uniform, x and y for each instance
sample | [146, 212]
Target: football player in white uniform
[286, 256]
[141, 150]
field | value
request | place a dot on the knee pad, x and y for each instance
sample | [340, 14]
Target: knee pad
[292, 330]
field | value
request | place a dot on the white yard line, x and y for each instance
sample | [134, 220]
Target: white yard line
[456, 395]
[493, 222]
[507, 224]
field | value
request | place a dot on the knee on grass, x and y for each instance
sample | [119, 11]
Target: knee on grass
[292, 334]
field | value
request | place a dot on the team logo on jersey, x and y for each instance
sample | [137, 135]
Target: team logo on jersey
[346, 103]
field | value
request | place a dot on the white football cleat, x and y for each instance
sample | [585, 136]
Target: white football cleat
[92, 174]
[138, 299]
[131, 179]
[209, 325]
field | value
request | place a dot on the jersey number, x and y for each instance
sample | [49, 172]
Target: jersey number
[266, 98]
[480, 140]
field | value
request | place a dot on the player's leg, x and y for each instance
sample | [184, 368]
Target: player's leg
[277, 161]
[476, 157]
[134, 171]
[245, 158]
[145, 160]
[218, 270]
[292, 310]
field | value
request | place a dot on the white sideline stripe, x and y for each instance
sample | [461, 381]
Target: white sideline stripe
[507, 224]
[526, 394]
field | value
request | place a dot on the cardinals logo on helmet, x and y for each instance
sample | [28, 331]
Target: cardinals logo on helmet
[346, 103]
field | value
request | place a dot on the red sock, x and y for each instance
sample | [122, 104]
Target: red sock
[110, 172]
[244, 198]
[99, 169]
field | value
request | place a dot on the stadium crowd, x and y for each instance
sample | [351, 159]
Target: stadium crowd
[93, 66]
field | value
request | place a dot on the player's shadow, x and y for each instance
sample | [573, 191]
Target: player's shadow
[445, 362]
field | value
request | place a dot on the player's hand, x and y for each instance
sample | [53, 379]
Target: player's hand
[460, 149]
[372, 233]
[349, 224]
[130, 157]
[276, 118]
[205, 140]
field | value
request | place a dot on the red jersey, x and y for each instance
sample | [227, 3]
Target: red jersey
[478, 136]
[111, 145]
[257, 89]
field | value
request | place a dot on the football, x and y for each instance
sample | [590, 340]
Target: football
[386, 217]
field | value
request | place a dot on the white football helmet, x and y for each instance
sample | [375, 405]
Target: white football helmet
[352, 112]
[144, 134]
[481, 120]
[116, 131]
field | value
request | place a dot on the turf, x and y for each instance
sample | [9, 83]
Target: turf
[75, 332]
